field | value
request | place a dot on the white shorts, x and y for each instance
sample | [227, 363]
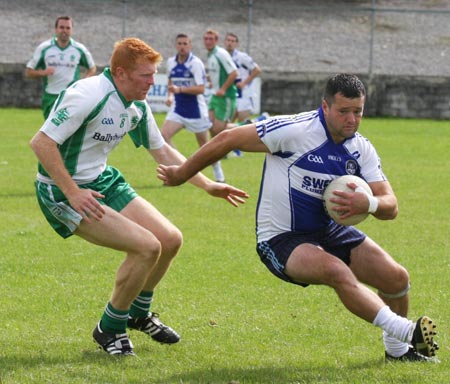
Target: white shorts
[244, 104]
[192, 125]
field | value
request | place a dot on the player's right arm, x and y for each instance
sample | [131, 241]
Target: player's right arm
[37, 73]
[82, 200]
[244, 138]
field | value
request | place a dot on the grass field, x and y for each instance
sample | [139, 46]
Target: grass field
[238, 323]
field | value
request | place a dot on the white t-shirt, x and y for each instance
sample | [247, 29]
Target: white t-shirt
[219, 65]
[303, 161]
[66, 62]
[245, 65]
[89, 119]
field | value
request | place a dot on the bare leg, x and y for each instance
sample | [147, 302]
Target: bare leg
[169, 129]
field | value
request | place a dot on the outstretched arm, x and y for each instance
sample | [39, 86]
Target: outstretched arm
[244, 138]
[169, 156]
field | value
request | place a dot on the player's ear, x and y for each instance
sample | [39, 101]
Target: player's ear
[325, 105]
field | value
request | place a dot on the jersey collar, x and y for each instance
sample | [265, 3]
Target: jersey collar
[187, 59]
[213, 51]
[108, 75]
[324, 123]
[55, 42]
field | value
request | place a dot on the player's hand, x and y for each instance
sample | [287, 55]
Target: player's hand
[169, 175]
[49, 71]
[350, 203]
[84, 201]
[227, 192]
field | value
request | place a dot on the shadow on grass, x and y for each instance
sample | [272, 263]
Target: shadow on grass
[293, 374]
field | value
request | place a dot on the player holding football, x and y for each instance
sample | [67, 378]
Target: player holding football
[296, 240]
[58, 61]
[80, 194]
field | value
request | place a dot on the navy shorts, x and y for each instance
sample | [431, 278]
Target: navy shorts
[335, 239]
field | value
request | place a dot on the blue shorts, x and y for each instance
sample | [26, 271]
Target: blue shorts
[335, 239]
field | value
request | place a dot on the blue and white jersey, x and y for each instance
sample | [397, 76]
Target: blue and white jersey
[303, 161]
[190, 73]
[245, 65]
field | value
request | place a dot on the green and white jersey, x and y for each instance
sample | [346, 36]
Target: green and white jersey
[89, 119]
[219, 65]
[66, 62]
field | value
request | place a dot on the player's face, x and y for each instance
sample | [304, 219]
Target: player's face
[210, 41]
[343, 116]
[63, 30]
[135, 84]
[231, 43]
[183, 46]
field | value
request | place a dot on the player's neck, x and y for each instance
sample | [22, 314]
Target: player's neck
[182, 58]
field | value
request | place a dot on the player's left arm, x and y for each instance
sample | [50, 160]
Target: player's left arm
[387, 208]
[167, 155]
[254, 73]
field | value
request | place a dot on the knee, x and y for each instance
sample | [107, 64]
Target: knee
[150, 251]
[397, 285]
[338, 275]
[171, 243]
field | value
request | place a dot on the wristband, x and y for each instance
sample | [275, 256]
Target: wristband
[373, 204]
[373, 201]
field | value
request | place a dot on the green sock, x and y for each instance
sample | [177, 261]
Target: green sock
[114, 320]
[141, 305]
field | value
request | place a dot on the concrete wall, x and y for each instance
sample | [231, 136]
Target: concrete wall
[286, 93]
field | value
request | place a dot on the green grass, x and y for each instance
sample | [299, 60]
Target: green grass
[238, 323]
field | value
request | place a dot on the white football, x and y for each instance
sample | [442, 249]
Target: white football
[340, 184]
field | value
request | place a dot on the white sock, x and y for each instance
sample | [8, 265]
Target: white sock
[394, 347]
[394, 325]
[218, 173]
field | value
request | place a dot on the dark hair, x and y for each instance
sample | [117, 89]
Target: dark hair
[350, 86]
[182, 35]
[232, 35]
[63, 18]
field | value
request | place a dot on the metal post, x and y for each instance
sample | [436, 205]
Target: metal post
[124, 18]
[249, 24]
[372, 32]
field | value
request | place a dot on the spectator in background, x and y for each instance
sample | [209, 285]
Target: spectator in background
[58, 61]
[222, 74]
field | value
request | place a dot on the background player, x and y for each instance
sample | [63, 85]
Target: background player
[248, 70]
[188, 108]
[58, 61]
[222, 73]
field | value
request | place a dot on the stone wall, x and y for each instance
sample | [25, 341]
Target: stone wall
[286, 93]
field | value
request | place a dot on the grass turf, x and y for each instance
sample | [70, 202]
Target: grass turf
[238, 323]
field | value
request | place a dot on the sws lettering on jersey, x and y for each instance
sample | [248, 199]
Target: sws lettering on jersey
[315, 185]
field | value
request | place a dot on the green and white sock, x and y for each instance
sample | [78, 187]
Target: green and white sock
[114, 320]
[141, 305]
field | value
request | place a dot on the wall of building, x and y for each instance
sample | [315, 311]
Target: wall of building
[286, 93]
